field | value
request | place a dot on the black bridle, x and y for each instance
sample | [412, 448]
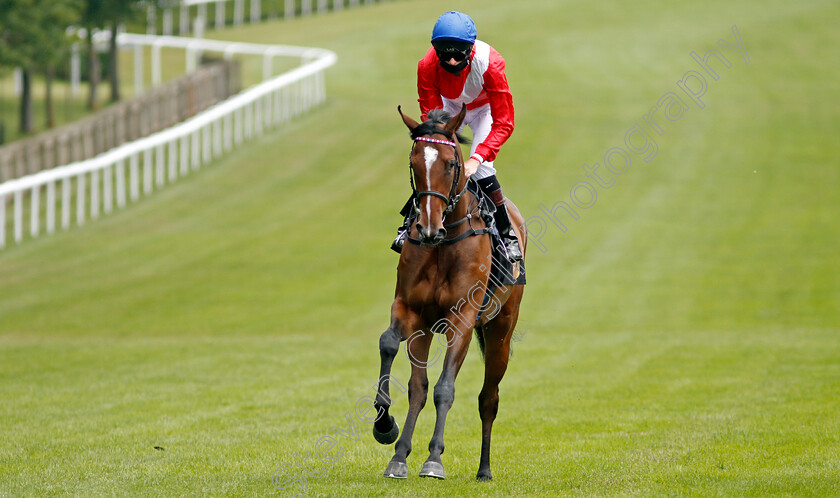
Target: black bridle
[454, 196]
[452, 199]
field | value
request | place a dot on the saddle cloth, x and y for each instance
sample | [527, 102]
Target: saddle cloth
[502, 271]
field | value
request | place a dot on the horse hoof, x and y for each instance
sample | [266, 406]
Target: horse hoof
[484, 476]
[433, 469]
[387, 437]
[396, 470]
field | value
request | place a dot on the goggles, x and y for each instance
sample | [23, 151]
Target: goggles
[447, 50]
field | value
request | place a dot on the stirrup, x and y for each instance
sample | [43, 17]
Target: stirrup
[398, 242]
[511, 246]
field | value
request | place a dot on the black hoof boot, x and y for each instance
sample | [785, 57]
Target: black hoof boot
[389, 436]
[484, 475]
[433, 469]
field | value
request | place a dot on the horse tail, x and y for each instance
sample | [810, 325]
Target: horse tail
[479, 335]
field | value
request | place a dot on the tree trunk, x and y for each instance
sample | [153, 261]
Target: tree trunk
[93, 71]
[113, 70]
[49, 74]
[26, 104]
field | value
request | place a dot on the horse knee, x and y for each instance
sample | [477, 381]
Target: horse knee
[389, 343]
[444, 395]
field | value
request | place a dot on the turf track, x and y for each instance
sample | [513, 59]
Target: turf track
[680, 338]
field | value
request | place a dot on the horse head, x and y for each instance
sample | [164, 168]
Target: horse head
[437, 171]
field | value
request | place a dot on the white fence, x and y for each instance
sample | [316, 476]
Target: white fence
[96, 186]
[193, 14]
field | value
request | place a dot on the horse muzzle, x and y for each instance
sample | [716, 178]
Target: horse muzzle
[429, 236]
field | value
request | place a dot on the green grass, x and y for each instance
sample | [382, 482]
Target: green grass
[681, 338]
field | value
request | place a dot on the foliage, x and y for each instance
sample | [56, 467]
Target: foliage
[109, 14]
[33, 36]
[33, 32]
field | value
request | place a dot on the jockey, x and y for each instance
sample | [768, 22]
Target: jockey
[458, 69]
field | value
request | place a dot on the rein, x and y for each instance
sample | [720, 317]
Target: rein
[451, 200]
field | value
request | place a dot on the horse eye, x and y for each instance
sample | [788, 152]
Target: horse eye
[452, 163]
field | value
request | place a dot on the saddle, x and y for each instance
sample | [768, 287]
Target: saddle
[502, 271]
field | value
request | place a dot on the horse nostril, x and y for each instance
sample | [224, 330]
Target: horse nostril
[441, 234]
[419, 227]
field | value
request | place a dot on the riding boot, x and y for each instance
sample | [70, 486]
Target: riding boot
[490, 185]
[402, 232]
[509, 239]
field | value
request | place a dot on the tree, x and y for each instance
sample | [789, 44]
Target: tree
[16, 29]
[57, 16]
[94, 15]
[31, 32]
[110, 14]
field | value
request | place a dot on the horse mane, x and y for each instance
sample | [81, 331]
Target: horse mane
[430, 126]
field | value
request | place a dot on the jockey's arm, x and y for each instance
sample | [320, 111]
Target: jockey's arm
[428, 94]
[501, 108]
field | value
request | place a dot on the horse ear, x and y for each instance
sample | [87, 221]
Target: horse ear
[412, 124]
[453, 124]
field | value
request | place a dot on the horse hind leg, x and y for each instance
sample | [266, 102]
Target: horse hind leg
[497, 335]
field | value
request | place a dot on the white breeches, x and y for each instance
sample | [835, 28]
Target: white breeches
[479, 120]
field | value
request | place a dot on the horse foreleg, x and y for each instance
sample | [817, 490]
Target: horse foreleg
[458, 342]
[418, 388]
[497, 336]
[385, 429]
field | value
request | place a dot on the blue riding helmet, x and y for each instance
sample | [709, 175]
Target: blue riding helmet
[454, 26]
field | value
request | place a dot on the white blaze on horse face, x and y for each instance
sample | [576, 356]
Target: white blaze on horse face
[431, 154]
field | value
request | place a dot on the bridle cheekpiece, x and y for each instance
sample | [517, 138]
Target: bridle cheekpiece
[452, 199]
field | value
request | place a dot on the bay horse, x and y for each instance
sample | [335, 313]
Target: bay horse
[442, 287]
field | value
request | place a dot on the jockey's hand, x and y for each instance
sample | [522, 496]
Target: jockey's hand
[470, 167]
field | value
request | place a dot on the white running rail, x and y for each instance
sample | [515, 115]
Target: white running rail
[97, 185]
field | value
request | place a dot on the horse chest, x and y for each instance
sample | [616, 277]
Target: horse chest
[428, 293]
[433, 292]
